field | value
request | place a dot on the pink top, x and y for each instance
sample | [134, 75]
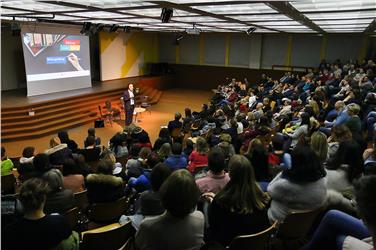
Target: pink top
[212, 183]
[196, 159]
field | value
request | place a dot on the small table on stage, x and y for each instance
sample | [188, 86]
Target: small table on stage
[137, 111]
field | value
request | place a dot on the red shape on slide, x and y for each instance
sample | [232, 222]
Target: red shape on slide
[71, 42]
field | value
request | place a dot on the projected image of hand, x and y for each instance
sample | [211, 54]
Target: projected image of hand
[74, 60]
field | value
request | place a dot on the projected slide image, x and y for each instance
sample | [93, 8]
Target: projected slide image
[55, 62]
[49, 54]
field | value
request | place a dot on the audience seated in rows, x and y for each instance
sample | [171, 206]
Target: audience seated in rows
[103, 186]
[179, 195]
[240, 207]
[6, 163]
[37, 230]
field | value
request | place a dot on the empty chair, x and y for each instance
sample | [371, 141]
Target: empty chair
[110, 237]
[72, 216]
[107, 212]
[145, 103]
[258, 241]
[8, 184]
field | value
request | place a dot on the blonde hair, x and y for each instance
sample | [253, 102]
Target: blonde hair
[201, 145]
[54, 141]
[315, 107]
[319, 145]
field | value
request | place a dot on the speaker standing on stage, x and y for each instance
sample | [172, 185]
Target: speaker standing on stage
[129, 104]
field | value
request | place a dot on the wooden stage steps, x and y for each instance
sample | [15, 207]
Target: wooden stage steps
[64, 113]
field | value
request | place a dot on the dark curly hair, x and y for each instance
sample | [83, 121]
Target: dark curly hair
[305, 166]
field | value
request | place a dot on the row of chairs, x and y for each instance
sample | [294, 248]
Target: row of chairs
[295, 227]
[102, 228]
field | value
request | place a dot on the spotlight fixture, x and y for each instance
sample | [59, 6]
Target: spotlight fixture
[166, 14]
[250, 30]
[86, 28]
[100, 27]
[127, 29]
[114, 28]
[179, 37]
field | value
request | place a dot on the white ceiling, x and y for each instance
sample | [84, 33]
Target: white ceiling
[307, 16]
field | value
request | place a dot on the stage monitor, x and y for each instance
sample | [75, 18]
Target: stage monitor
[56, 62]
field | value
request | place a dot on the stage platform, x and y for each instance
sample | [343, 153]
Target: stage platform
[63, 110]
[172, 100]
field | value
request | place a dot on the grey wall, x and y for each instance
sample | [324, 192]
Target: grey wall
[261, 51]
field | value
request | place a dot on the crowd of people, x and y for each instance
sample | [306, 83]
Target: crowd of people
[254, 154]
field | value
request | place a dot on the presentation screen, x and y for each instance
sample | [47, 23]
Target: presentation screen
[56, 62]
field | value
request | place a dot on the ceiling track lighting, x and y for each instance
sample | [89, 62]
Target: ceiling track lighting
[250, 30]
[166, 15]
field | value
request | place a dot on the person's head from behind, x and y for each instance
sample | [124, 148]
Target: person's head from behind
[158, 175]
[341, 133]
[153, 160]
[108, 155]
[348, 156]
[353, 109]
[177, 116]
[339, 105]
[70, 167]
[216, 160]
[304, 119]
[365, 198]
[55, 180]
[176, 148]
[241, 194]
[91, 131]
[305, 166]
[63, 136]
[105, 167]
[278, 142]
[41, 163]
[165, 149]
[201, 145]
[179, 193]
[135, 150]
[319, 145]
[164, 133]
[33, 195]
[144, 153]
[90, 141]
[188, 112]
[54, 141]
[189, 144]
[28, 152]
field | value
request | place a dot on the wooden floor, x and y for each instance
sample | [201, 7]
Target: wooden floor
[66, 110]
[173, 100]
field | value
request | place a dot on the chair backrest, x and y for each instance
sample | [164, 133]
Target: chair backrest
[81, 200]
[8, 184]
[72, 216]
[297, 224]
[108, 212]
[258, 241]
[110, 237]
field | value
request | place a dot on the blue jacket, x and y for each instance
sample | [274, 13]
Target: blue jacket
[176, 162]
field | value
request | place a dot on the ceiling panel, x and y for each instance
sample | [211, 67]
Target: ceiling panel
[252, 8]
[339, 5]
[37, 6]
[343, 15]
[250, 18]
